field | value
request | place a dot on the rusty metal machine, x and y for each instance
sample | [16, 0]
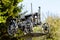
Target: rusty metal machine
[26, 23]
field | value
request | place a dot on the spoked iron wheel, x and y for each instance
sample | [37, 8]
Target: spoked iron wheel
[46, 28]
[12, 30]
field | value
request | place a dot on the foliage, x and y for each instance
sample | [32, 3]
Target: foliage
[37, 29]
[54, 27]
[8, 8]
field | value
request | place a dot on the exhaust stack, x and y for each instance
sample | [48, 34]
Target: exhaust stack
[39, 16]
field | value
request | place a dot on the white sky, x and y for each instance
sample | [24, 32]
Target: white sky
[47, 6]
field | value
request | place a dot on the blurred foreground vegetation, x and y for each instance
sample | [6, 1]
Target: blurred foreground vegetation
[8, 8]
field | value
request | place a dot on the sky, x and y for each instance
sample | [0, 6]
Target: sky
[48, 7]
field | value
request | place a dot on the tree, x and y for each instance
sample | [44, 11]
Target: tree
[7, 8]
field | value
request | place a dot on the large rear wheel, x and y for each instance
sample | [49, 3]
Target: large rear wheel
[12, 29]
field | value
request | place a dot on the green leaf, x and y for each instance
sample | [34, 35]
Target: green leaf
[2, 19]
[20, 0]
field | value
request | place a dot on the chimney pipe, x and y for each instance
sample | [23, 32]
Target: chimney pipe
[39, 13]
[39, 18]
[31, 8]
